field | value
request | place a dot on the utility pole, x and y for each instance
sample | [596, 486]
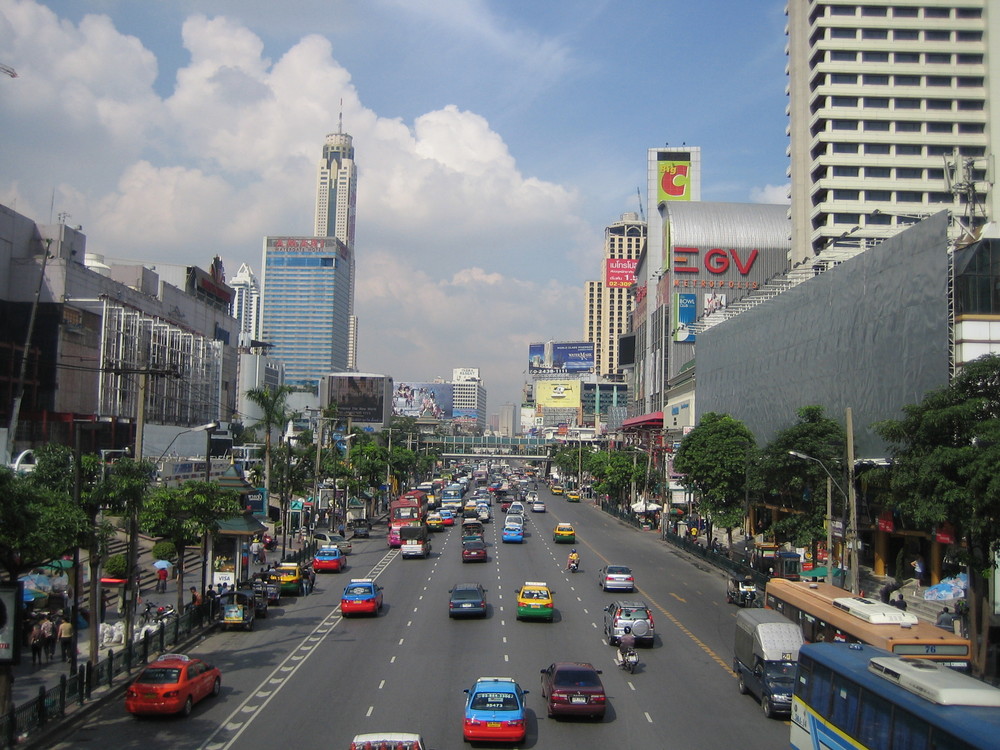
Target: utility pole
[132, 581]
[852, 501]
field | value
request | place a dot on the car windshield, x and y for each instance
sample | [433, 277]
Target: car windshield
[534, 594]
[474, 545]
[495, 702]
[634, 613]
[576, 678]
[359, 590]
[159, 676]
[618, 570]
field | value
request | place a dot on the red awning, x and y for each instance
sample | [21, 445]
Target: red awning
[651, 421]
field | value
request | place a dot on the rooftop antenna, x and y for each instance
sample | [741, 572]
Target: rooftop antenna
[340, 121]
[642, 214]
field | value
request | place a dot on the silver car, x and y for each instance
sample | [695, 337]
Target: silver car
[633, 614]
[616, 578]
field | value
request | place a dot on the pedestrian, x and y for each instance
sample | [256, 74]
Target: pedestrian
[195, 597]
[918, 570]
[48, 638]
[35, 641]
[104, 604]
[900, 602]
[945, 619]
[161, 580]
[65, 633]
[255, 549]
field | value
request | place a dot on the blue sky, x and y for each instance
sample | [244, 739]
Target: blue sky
[494, 139]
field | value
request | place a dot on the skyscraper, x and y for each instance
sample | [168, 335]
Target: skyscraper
[889, 116]
[246, 303]
[305, 304]
[336, 202]
[608, 304]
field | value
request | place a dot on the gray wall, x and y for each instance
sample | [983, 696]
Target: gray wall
[871, 334]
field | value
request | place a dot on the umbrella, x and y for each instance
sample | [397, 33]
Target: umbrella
[37, 582]
[59, 564]
[162, 564]
[820, 572]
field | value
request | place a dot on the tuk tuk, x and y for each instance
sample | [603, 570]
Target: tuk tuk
[268, 586]
[472, 529]
[362, 528]
[237, 609]
[742, 590]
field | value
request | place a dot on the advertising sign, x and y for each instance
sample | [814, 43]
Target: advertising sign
[674, 180]
[619, 273]
[11, 595]
[423, 400]
[359, 397]
[558, 357]
[713, 302]
[465, 415]
[684, 312]
[564, 394]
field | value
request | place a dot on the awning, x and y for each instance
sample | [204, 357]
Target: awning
[651, 421]
[245, 525]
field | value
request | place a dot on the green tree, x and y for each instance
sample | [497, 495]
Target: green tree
[715, 459]
[614, 473]
[945, 453]
[273, 404]
[184, 515]
[800, 485]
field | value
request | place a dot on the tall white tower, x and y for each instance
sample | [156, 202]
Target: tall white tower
[246, 303]
[336, 202]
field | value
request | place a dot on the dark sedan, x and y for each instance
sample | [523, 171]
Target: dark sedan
[473, 551]
[467, 600]
[572, 688]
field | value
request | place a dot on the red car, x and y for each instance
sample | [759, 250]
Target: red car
[573, 689]
[172, 684]
[329, 559]
[473, 551]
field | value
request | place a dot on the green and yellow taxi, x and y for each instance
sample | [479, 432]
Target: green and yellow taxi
[573, 496]
[290, 575]
[564, 533]
[435, 522]
[534, 601]
[556, 489]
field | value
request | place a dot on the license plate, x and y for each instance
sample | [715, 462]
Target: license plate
[493, 724]
[578, 699]
[467, 605]
[149, 695]
[535, 606]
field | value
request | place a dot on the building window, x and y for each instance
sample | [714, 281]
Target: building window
[935, 174]
[846, 195]
[907, 57]
[909, 196]
[875, 34]
[906, 80]
[909, 173]
[939, 150]
[881, 219]
[842, 10]
[845, 148]
[878, 172]
[906, 126]
[876, 102]
[874, 11]
[840, 55]
[968, 12]
[969, 36]
[843, 78]
[908, 149]
[843, 124]
[904, 12]
[838, 33]
[842, 171]
[877, 149]
[937, 58]
[971, 82]
[937, 12]
[939, 127]
[939, 104]
[877, 126]
[970, 59]
[844, 101]
[876, 80]
[878, 195]
[971, 128]
[846, 218]
[937, 35]
[906, 103]
[906, 35]
[939, 80]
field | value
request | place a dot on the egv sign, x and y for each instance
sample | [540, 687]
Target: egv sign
[715, 261]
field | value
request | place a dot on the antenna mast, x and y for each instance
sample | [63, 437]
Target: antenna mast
[642, 214]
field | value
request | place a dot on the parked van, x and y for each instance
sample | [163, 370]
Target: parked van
[765, 656]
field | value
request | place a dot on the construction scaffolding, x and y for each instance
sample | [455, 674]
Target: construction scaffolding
[186, 367]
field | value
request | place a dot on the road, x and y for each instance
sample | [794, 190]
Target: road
[308, 678]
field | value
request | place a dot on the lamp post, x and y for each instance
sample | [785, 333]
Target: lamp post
[849, 542]
[80, 426]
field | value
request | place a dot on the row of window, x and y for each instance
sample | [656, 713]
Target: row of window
[901, 196]
[904, 103]
[903, 35]
[909, 126]
[928, 58]
[899, 173]
[882, 79]
[897, 149]
[883, 11]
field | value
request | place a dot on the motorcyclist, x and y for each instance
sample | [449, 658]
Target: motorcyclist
[574, 557]
[626, 643]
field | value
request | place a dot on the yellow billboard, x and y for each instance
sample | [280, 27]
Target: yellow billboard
[674, 181]
[563, 394]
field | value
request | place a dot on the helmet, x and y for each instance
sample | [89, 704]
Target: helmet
[573, 551]
[628, 630]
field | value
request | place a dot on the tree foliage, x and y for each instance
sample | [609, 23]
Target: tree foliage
[945, 454]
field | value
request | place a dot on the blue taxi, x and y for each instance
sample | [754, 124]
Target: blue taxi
[361, 596]
[494, 711]
[512, 533]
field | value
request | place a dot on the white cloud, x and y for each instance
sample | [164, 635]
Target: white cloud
[771, 194]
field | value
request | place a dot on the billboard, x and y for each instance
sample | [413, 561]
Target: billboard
[423, 400]
[563, 394]
[558, 357]
[619, 273]
[674, 181]
[684, 311]
[360, 397]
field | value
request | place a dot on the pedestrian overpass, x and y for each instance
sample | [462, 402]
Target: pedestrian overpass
[490, 447]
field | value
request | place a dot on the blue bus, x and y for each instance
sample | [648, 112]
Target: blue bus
[850, 695]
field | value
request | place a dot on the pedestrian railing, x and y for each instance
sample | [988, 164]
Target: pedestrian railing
[55, 703]
[718, 558]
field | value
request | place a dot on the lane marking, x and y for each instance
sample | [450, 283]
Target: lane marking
[392, 660]
[677, 597]
[381, 684]
[372, 708]
[648, 717]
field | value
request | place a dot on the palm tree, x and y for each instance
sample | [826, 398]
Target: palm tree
[273, 403]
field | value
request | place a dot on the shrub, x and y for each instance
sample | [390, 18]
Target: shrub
[165, 551]
[116, 566]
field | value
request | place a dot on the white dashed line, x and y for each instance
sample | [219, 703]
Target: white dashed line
[648, 717]
[382, 685]
[372, 708]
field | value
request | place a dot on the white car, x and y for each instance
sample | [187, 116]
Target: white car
[538, 507]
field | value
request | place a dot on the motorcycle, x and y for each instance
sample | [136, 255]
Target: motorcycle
[629, 662]
[269, 542]
[574, 565]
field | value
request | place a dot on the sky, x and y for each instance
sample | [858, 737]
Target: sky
[494, 139]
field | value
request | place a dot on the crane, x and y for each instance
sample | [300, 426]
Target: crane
[7, 70]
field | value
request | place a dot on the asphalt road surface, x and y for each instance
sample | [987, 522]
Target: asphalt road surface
[306, 678]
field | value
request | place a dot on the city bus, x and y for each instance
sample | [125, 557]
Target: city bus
[827, 613]
[409, 509]
[850, 695]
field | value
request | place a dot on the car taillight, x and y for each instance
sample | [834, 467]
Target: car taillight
[472, 722]
[558, 697]
[629, 578]
[515, 723]
[598, 698]
[171, 693]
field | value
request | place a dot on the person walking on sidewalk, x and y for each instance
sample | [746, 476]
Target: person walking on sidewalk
[35, 641]
[65, 633]
[48, 638]
[161, 580]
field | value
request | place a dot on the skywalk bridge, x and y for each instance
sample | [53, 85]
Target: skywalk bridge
[463, 447]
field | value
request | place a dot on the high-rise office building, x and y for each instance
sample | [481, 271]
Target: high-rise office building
[608, 304]
[469, 399]
[336, 201]
[889, 117]
[304, 305]
[246, 303]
